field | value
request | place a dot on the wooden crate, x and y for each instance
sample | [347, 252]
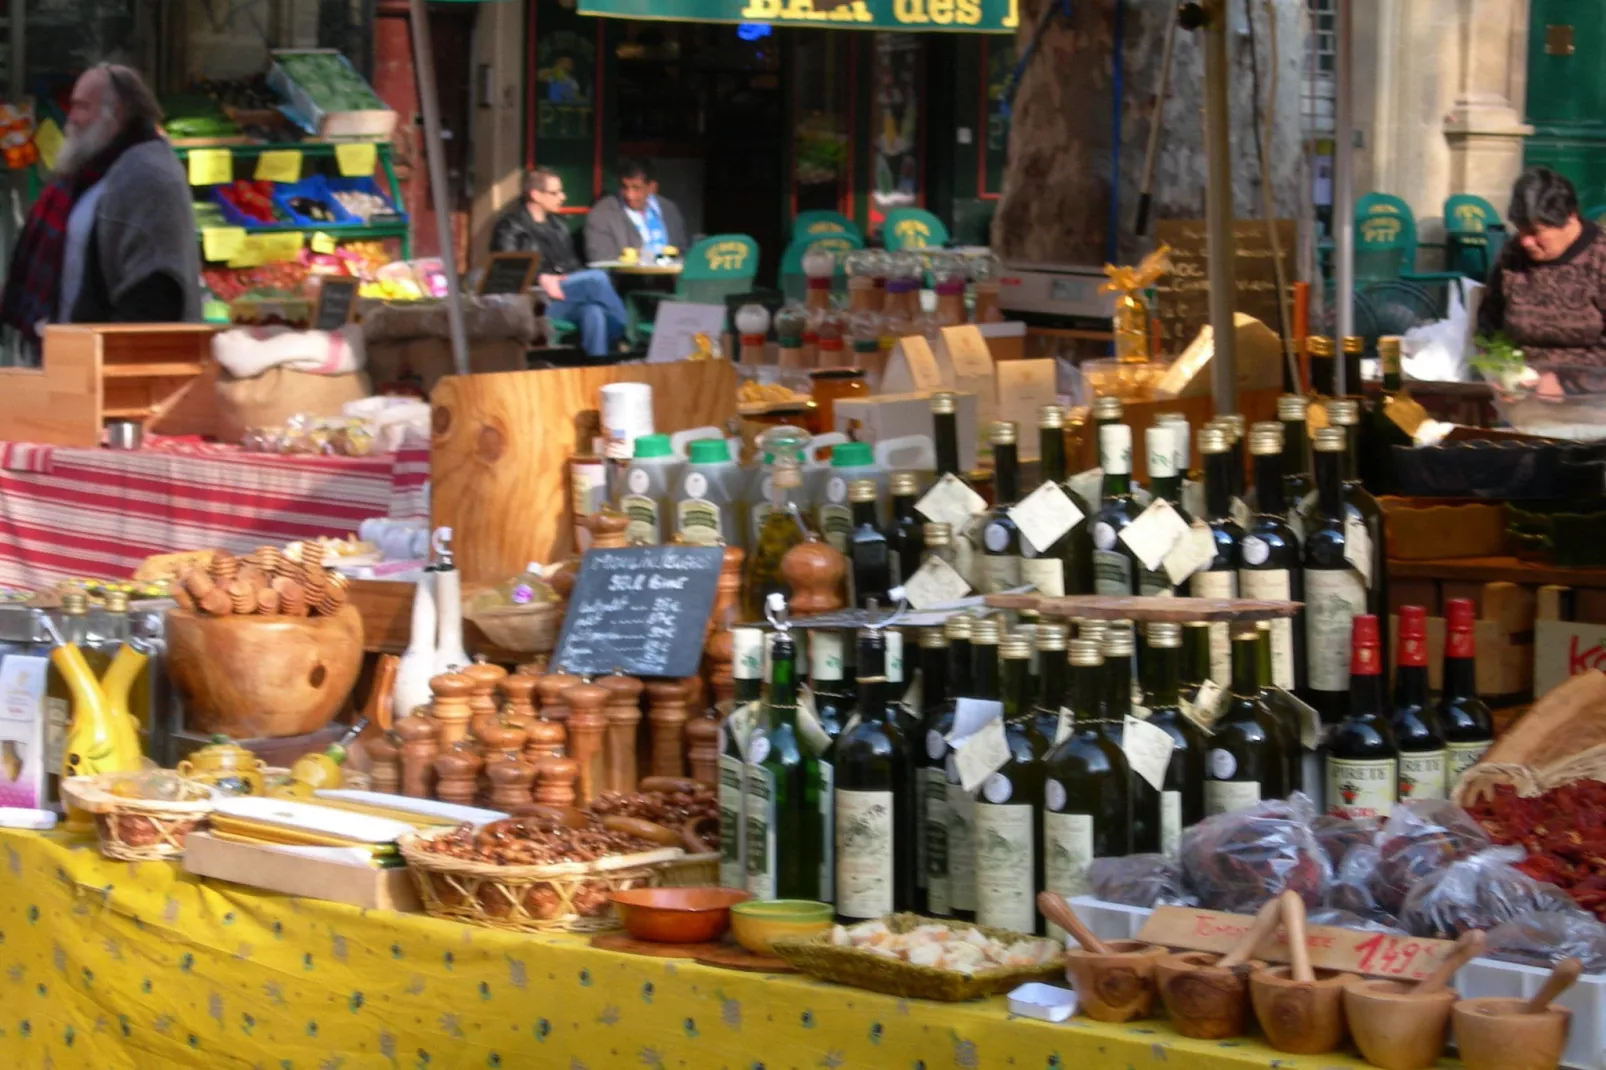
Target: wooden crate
[1503, 636]
[161, 374]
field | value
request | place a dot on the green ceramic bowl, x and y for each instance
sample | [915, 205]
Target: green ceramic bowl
[755, 924]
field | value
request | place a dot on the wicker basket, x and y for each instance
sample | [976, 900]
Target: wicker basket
[530, 629]
[692, 871]
[139, 830]
[563, 897]
[818, 957]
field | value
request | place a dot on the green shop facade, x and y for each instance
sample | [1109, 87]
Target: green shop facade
[752, 111]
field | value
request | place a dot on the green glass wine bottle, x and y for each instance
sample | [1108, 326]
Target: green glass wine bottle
[944, 895]
[1246, 762]
[1182, 797]
[747, 646]
[1051, 641]
[784, 827]
[931, 844]
[1009, 810]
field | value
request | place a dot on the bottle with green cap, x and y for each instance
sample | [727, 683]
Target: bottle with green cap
[708, 499]
[648, 488]
[833, 513]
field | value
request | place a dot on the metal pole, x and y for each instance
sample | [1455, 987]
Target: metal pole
[435, 156]
[1343, 186]
[1218, 213]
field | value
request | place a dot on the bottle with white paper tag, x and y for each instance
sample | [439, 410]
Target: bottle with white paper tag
[1000, 537]
[1335, 593]
[1298, 483]
[1346, 415]
[1424, 771]
[869, 556]
[1087, 785]
[906, 542]
[1114, 565]
[1050, 639]
[1269, 555]
[1220, 578]
[832, 705]
[934, 764]
[782, 786]
[875, 804]
[1182, 796]
[1363, 761]
[1468, 728]
[983, 684]
[1165, 481]
[1008, 811]
[1064, 567]
[1281, 705]
[1246, 762]
[1119, 648]
[1195, 661]
[747, 675]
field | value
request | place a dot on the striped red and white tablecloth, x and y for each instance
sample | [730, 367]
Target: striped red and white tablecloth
[93, 512]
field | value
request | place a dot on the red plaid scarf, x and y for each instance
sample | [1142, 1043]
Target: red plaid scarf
[33, 284]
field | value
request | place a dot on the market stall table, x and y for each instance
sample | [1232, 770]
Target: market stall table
[115, 965]
[68, 512]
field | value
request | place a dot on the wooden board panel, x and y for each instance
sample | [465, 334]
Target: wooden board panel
[58, 404]
[1183, 295]
[500, 442]
[1145, 607]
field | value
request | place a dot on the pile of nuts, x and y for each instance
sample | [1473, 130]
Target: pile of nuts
[266, 581]
[526, 842]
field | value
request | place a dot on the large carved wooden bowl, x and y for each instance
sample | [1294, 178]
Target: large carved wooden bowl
[250, 677]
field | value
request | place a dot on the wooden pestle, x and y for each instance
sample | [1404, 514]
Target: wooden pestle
[623, 711]
[1293, 908]
[667, 716]
[418, 733]
[1561, 978]
[555, 779]
[1467, 947]
[551, 687]
[385, 752]
[1057, 910]
[1265, 923]
[587, 726]
[450, 708]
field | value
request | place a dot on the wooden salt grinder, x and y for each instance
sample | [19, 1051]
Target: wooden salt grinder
[608, 529]
[482, 699]
[668, 719]
[624, 714]
[385, 751]
[702, 746]
[587, 724]
[815, 571]
[555, 781]
[458, 770]
[418, 750]
[544, 739]
[498, 739]
[519, 690]
[551, 687]
[450, 708]
[510, 782]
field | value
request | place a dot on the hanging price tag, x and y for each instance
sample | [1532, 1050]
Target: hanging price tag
[278, 248]
[951, 502]
[981, 755]
[1044, 515]
[323, 243]
[222, 243]
[211, 167]
[279, 165]
[1088, 485]
[1191, 553]
[1148, 750]
[1358, 546]
[1154, 534]
[1240, 513]
[1310, 722]
[356, 159]
[739, 725]
[1206, 705]
[814, 734]
[1062, 729]
[935, 583]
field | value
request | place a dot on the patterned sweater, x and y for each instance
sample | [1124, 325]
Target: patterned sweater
[1554, 310]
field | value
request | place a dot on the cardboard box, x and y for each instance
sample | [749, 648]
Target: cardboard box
[23, 730]
[887, 416]
[297, 872]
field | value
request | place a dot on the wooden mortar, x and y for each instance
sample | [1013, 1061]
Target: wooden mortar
[1207, 995]
[1401, 1026]
[1493, 1033]
[1114, 981]
[1300, 1010]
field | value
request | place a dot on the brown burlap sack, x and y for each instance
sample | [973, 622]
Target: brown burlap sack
[269, 399]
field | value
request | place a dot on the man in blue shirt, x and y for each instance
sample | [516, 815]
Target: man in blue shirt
[637, 218]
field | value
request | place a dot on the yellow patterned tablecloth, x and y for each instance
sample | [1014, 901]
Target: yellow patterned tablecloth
[109, 965]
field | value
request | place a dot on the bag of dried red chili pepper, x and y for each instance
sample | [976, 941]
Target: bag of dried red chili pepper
[1338, 835]
[1478, 893]
[1139, 881]
[1236, 861]
[1545, 937]
[1420, 839]
[1351, 889]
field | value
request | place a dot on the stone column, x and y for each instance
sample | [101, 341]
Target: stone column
[1484, 128]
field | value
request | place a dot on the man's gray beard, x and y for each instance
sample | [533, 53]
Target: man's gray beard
[85, 143]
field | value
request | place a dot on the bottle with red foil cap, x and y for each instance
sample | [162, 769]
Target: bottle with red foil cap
[1363, 761]
[1423, 770]
[1468, 728]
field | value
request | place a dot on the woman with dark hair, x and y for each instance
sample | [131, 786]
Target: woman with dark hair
[1547, 290]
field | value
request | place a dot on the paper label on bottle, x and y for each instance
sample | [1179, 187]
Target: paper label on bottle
[1155, 532]
[1045, 515]
[1115, 449]
[950, 501]
[641, 512]
[759, 804]
[935, 583]
[981, 755]
[1222, 584]
[1310, 722]
[970, 715]
[1333, 598]
[1358, 546]
[1170, 822]
[864, 853]
[588, 493]
[836, 490]
[1361, 788]
[1067, 852]
[1148, 750]
[995, 537]
[1005, 867]
[696, 485]
[698, 521]
[1088, 485]
[1423, 775]
[732, 827]
[961, 845]
[1194, 551]
[1155, 584]
[1239, 511]
[1000, 572]
[1112, 572]
[1205, 708]
[1225, 796]
[1273, 585]
[827, 806]
[1463, 756]
[836, 526]
[934, 833]
[58, 715]
[1223, 764]
[1063, 728]
[1047, 574]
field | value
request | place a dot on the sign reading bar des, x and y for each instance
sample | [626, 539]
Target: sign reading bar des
[971, 16]
[640, 611]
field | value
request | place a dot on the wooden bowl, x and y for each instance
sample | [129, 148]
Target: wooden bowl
[1118, 987]
[253, 677]
[1299, 1017]
[1492, 1034]
[1205, 1002]
[677, 915]
[1395, 1028]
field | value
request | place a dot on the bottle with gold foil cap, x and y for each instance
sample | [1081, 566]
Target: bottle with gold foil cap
[1051, 640]
[1323, 368]
[1390, 423]
[1001, 539]
[1182, 792]
[867, 549]
[1335, 589]
[1064, 567]
[905, 541]
[1009, 855]
[1345, 414]
[1354, 348]
[1269, 557]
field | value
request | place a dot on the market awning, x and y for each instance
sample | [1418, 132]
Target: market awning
[955, 16]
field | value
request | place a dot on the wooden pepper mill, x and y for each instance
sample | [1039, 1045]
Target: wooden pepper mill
[519, 690]
[623, 711]
[498, 739]
[482, 707]
[814, 570]
[458, 769]
[702, 746]
[535, 667]
[551, 687]
[718, 653]
[510, 782]
[587, 724]
[608, 529]
[555, 779]
[385, 752]
[450, 708]
[667, 715]
[418, 750]
[544, 739]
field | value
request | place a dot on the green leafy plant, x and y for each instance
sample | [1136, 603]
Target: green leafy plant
[1497, 355]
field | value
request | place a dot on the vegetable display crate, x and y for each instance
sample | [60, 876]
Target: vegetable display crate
[324, 89]
[1586, 1039]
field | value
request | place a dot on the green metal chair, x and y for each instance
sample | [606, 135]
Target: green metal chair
[819, 221]
[714, 267]
[793, 281]
[1472, 235]
[1385, 247]
[1597, 213]
[912, 228]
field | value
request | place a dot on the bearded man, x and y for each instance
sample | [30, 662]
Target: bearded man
[111, 239]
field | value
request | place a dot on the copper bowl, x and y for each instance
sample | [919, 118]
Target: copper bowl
[677, 915]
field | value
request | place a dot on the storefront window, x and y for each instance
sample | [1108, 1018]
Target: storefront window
[896, 130]
[998, 61]
[820, 107]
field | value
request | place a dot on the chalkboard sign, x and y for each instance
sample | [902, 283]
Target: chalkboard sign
[510, 273]
[642, 611]
[1183, 297]
[337, 297]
